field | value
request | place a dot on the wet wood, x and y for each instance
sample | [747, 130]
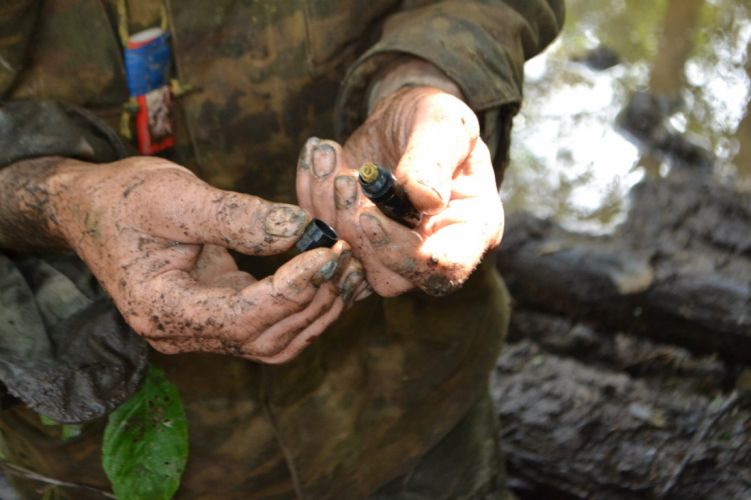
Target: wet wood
[742, 160]
[628, 373]
[679, 31]
[581, 430]
[678, 270]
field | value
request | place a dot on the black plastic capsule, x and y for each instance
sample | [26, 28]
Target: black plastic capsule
[380, 186]
[318, 234]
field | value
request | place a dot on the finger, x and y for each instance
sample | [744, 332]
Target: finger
[294, 285]
[346, 204]
[181, 208]
[476, 176]
[363, 292]
[477, 212]
[276, 338]
[479, 166]
[344, 260]
[308, 335]
[346, 193]
[432, 268]
[387, 248]
[177, 314]
[351, 282]
[325, 164]
[174, 308]
[474, 200]
[236, 280]
[212, 262]
[438, 145]
[303, 178]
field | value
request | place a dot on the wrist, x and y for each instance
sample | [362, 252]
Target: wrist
[68, 208]
[409, 71]
[37, 191]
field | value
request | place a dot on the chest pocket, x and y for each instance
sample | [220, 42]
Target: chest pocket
[74, 56]
[340, 29]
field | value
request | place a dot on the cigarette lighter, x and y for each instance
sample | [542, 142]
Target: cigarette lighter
[147, 66]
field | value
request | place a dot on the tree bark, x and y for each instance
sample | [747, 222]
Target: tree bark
[627, 375]
[679, 27]
[575, 430]
[678, 270]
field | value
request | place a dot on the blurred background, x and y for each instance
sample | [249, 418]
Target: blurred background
[628, 254]
[571, 160]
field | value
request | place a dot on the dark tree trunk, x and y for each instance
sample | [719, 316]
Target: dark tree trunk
[627, 375]
[678, 270]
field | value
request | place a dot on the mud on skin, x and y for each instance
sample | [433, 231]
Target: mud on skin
[26, 221]
[164, 259]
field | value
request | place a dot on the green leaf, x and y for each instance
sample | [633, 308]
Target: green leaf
[47, 420]
[145, 444]
[67, 431]
[70, 431]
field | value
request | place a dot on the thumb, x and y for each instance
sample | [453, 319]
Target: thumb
[433, 153]
[194, 212]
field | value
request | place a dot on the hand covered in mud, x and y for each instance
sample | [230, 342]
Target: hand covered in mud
[431, 140]
[156, 237]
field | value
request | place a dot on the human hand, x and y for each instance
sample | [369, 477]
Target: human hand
[156, 238]
[432, 140]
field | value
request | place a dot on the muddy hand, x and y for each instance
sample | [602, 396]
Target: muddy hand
[431, 139]
[156, 237]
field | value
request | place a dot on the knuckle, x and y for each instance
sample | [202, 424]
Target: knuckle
[144, 326]
[470, 122]
[439, 285]
[266, 348]
[304, 159]
[386, 288]
[280, 359]
[450, 109]
[165, 347]
[444, 278]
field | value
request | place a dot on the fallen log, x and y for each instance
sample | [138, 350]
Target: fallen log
[678, 270]
[576, 430]
[627, 375]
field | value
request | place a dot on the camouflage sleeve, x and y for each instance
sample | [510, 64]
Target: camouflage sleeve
[64, 349]
[480, 44]
[58, 129]
[16, 23]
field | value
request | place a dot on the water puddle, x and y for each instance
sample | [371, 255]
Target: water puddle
[688, 63]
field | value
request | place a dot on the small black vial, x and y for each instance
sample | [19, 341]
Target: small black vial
[380, 186]
[318, 234]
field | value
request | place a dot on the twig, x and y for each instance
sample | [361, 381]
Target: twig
[17, 470]
[707, 425]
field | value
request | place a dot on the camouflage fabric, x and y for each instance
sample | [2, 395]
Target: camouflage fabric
[391, 379]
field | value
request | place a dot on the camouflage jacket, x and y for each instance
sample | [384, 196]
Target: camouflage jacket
[391, 377]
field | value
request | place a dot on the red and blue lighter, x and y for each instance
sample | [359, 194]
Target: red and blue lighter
[147, 66]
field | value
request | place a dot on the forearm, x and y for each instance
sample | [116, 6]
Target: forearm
[31, 191]
[409, 71]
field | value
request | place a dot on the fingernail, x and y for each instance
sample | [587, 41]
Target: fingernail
[364, 291]
[345, 192]
[350, 285]
[327, 271]
[284, 221]
[374, 230]
[429, 186]
[303, 161]
[344, 257]
[324, 160]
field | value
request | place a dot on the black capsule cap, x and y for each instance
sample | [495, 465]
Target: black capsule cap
[318, 234]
